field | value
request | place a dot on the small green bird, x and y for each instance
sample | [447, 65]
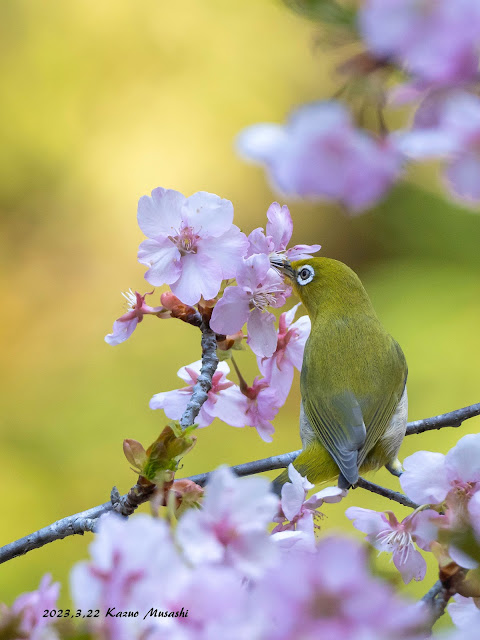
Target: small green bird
[353, 414]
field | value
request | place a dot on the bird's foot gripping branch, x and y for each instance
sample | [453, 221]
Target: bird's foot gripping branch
[236, 532]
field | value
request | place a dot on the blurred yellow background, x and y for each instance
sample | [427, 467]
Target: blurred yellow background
[102, 102]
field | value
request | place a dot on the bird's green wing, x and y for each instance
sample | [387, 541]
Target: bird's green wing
[378, 417]
[338, 423]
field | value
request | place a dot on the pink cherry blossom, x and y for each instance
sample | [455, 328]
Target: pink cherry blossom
[28, 609]
[126, 324]
[291, 339]
[263, 403]
[331, 594]
[225, 401]
[385, 533]
[230, 528]
[429, 477]
[279, 231]
[192, 244]
[474, 512]
[448, 126]
[258, 287]
[465, 612]
[299, 514]
[436, 40]
[319, 154]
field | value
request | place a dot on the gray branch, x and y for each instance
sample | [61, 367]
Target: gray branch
[84, 521]
[451, 419]
[204, 381]
[386, 493]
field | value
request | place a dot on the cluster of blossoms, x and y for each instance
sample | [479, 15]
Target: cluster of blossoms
[320, 154]
[220, 574]
[194, 247]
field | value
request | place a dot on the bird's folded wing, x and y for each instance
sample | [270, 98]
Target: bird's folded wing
[338, 423]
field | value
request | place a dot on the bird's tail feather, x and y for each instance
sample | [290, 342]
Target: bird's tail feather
[314, 462]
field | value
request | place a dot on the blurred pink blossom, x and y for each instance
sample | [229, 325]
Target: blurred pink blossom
[449, 128]
[436, 40]
[192, 244]
[465, 612]
[279, 231]
[225, 401]
[126, 324]
[231, 526]
[319, 154]
[331, 594]
[29, 608]
[258, 287]
[291, 338]
[385, 533]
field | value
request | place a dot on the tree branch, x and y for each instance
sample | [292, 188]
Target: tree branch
[386, 493]
[436, 599]
[451, 419]
[204, 381]
[84, 521]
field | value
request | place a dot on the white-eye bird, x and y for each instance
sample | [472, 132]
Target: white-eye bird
[353, 414]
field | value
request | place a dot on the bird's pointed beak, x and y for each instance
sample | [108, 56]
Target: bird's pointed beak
[283, 265]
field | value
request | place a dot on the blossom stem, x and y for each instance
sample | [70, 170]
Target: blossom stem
[242, 384]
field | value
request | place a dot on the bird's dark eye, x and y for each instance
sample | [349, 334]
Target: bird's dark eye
[305, 275]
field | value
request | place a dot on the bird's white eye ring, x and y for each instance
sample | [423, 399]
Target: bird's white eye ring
[305, 275]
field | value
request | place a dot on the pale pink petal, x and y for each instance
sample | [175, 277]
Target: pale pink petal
[259, 243]
[121, 331]
[370, 522]
[210, 215]
[474, 511]
[262, 336]
[302, 251]
[330, 495]
[296, 346]
[160, 214]
[424, 478]
[279, 225]
[231, 407]
[463, 176]
[297, 479]
[423, 144]
[280, 379]
[231, 311]
[410, 563]
[424, 529]
[463, 461]
[293, 496]
[461, 558]
[464, 612]
[260, 142]
[201, 276]
[227, 251]
[163, 258]
[253, 272]
[190, 372]
[173, 402]
[265, 431]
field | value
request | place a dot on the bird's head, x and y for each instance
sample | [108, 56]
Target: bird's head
[324, 284]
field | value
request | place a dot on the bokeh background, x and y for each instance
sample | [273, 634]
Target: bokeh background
[100, 103]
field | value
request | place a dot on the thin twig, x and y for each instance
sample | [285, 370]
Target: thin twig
[80, 522]
[436, 600]
[451, 419]
[386, 493]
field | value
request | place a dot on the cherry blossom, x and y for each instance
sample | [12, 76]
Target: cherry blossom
[297, 513]
[330, 594]
[258, 287]
[319, 154]
[225, 401]
[385, 533]
[26, 613]
[263, 403]
[279, 231]
[126, 324]
[451, 129]
[465, 612]
[436, 40]
[230, 527]
[429, 477]
[192, 244]
[291, 339]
